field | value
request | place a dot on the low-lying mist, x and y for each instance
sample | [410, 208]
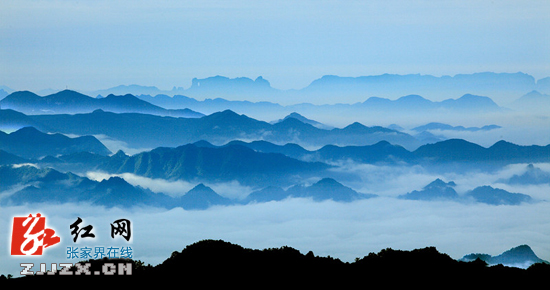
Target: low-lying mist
[341, 230]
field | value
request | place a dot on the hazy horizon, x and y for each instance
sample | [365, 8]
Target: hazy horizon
[101, 44]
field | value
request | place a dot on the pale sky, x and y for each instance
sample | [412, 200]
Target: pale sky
[89, 45]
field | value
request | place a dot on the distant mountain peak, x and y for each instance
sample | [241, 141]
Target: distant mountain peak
[521, 256]
[440, 183]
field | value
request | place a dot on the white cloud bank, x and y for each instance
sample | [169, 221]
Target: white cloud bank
[341, 230]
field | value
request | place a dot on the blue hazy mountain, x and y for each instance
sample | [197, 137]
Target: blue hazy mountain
[458, 150]
[71, 102]
[304, 120]
[266, 194]
[440, 190]
[496, 196]
[381, 152]
[189, 162]
[149, 131]
[520, 256]
[116, 192]
[508, 85]
[441, 126]
[405, 105]
[436, 190]
[128, 89]
[28, 142]
[453, 150]
[11, 120]
[532, 175]
[8, 158]
[326, 88]
[533, 101]
[47, 185]
[324, 189]
[3, 93]
[201, 197]
[415, 103]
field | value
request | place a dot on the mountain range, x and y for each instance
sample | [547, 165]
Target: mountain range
[71, 102]
[441, 126]
[150, 131]
[28, 142]
[440, 190]
[192, 163]
[452, 150]
[467, 104]
[324, 89]
[90, 154]
[30, 184]
[533, 101]
[531, 175]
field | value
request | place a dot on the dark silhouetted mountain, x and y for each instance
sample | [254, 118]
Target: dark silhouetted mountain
[291, 266]
[28, 142]
[71, 102]
[497, 196]
[441, 126]
[201, 197]
[520, 256]
[437, 190]
[283, 266]
[532, 175]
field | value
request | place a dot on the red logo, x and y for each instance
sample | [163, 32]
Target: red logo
[30, 235]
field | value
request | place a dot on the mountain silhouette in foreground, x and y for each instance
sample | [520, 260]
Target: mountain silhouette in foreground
[221, 263]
